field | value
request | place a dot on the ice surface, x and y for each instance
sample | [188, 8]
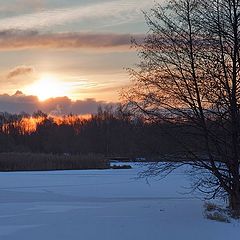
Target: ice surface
[103, 205]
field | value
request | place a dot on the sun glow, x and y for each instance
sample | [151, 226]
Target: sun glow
[46, 87]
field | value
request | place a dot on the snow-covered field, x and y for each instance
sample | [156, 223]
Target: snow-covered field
[103, 205]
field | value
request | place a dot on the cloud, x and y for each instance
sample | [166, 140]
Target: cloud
[110, 13]
[21, 6]
[20, 70]
[15, 39]
[19, 102]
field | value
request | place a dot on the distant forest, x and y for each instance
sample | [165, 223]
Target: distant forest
[110, 132]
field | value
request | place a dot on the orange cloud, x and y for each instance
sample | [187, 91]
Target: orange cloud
[16, 39]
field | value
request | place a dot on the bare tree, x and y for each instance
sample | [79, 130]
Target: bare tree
[189, 73]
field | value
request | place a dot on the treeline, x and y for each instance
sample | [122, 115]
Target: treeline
[43, 162]
[110, 132]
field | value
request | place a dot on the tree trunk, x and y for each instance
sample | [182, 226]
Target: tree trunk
[234, 203]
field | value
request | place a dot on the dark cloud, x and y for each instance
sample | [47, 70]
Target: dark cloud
[89, 105]
[20, 70]
[16, 39]
[19, 102]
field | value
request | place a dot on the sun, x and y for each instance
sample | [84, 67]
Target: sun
[48, 86]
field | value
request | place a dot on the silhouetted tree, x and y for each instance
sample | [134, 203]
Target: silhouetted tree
[190, 73]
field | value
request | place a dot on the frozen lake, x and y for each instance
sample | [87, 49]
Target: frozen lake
[103, 205]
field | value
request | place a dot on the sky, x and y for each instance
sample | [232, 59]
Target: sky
[77, 49]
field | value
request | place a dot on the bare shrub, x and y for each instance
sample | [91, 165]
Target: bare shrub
[216, 213]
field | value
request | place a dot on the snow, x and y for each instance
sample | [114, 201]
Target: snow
[103, 205]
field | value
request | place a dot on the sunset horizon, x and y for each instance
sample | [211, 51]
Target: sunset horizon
[78, 50]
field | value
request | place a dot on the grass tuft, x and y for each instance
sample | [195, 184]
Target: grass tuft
[216, 213]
